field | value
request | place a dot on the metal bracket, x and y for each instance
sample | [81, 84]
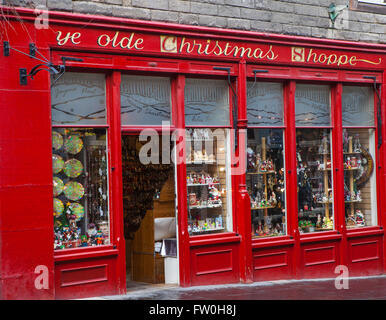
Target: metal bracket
[6, 48]
[32, 50]
[379, 117]
[23, 76]
[234, 111]
[255, 72]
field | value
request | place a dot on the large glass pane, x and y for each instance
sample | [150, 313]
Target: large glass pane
[312, 105]
[208, 181]
[314, 171]
[206, 102]
[266, 181]
[357, 106]
[359, 177]
[265, 103]
[79, 98]
[145, 100]
[80, 188]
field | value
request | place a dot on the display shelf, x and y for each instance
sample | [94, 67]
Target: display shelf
[262, 208]
[207, 230]
[202, 184]
[262, 172]
[351, 169]
[205, 207]
[200, 162]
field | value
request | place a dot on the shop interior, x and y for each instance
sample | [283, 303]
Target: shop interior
[149, 216]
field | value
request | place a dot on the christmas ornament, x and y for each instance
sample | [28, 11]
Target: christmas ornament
[73, 144]
[73, 190]
[57, 140]
[57, 163]
[73, 168]
[58, 186]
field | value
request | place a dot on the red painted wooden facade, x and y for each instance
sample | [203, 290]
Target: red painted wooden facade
[112, 46]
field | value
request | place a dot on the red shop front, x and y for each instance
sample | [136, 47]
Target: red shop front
[144, 152]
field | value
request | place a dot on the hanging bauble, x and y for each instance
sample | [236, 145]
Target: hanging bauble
[73, 144]
[57, 163]
[58, 186]
[73, 190]
[73, 168]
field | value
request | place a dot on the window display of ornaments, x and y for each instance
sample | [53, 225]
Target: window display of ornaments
[201, 178]
[73, 168]
[57, 163]
[208, 224]
[58, 207]
[73, 144]
[73, 190]
[58, 186]
[57, 140]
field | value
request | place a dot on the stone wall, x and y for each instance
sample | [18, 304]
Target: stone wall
[293, 17]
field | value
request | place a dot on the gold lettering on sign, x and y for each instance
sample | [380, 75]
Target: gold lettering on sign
[123, 42]
[299, 54]
[169, 44]
[73, 37]
[227, 49]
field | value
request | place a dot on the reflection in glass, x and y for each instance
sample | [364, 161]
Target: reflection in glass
[206, 102]
[145, 100]
[265, 104]
[359, 177]
[314, 172]
[208, 181]
[80, 188]
[266, 181]
[312, 105]
[79, 98]
[358, 106]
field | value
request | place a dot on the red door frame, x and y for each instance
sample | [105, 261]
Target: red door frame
[182, 65]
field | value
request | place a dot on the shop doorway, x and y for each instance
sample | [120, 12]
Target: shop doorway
[150, 219]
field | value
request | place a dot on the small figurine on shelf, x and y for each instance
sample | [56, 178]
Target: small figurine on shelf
[251, 159]
[319, 221]
[323, 148]
[359, 218]
[357, 144]
[345, 140]
[83, 240]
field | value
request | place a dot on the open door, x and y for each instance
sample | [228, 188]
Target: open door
[150, 218]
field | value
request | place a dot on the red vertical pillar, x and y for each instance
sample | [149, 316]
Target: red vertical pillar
[338, 174]
[115, 160]
[178, 111]
[291, 173]
[243, 201]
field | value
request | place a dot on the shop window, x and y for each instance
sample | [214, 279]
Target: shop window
[312, 107]
[265, 104]
[79, 99]
[359, 155]
[145, 100]
[206, 102]
[80, 174]
[314, 158]
[265, 159]
[208, 157]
